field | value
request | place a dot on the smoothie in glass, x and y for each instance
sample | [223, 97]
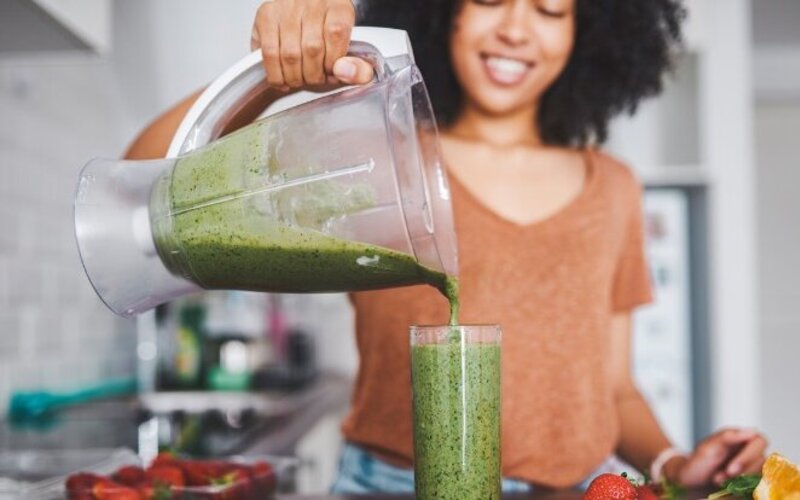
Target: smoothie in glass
[455, 374]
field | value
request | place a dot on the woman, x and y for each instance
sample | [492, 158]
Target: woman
[549, 227]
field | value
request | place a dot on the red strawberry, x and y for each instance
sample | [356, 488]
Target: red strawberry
[202, 472]
[158, 491]
[164, 458]
[130, 475]
[79, 486]
[242, 482]
[166, 474]
[264, 477]
[195, 472]
[610, 487]
[82, 480]
[234, 484]
[108, 489]
[645, 492]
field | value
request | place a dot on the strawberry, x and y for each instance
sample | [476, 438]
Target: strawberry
[234, 484]
[79, 486]
[81, 481]
[164, 458]
[159, 491]
[165, 474]
[645, 492]
[202, 472]
[108, 489]
[610, 487]
[264, 477]
[242, 482]
[130, 475]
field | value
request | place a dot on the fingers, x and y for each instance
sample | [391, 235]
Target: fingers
[267, 35]
[352, 70]
[255, 38]
[302, 40]
[339, 20]
[750, 456]
[741, 451]
[291, 53]
[736, 436]
[313, 48]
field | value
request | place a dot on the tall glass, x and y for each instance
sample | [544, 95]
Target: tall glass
[455, 372]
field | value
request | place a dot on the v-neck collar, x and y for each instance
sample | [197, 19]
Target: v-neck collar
[590, 166]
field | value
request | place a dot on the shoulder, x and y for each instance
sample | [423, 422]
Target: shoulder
[616, 175]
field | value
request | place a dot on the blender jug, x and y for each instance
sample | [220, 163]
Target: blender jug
[342, 192]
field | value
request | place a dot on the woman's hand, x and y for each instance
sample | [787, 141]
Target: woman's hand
[724, 454]
[304, 43]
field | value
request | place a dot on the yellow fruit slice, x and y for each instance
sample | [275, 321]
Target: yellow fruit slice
[780, 480]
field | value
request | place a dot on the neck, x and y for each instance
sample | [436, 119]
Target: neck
[510, 129]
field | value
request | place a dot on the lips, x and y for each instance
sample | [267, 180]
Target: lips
[505, 70]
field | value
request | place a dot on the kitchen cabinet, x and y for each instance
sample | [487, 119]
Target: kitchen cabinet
[50, 26]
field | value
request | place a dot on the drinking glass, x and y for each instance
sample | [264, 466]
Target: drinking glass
[455, 372]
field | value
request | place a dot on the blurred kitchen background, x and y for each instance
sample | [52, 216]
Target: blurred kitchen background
[79, 78]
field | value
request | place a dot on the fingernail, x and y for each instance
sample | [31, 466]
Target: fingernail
[344, 69]
[734, 469]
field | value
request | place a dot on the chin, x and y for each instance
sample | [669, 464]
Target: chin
[499, 104]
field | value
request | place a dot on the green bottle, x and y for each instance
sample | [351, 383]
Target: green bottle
[188, 355]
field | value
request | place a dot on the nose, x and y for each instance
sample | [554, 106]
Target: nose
[515, 29]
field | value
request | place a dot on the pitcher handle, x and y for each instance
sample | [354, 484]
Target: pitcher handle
[244, 81]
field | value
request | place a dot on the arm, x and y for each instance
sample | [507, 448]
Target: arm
[154, 140]
[724, 454]
[293, 58]
[641, 439]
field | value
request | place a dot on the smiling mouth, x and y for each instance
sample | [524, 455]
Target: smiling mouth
[506, 70]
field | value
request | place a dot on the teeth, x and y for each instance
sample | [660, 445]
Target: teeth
[505, 65]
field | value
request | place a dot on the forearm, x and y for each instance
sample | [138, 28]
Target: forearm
[154, 140]
[641, 438]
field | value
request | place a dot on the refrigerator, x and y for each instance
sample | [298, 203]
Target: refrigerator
[670, 335]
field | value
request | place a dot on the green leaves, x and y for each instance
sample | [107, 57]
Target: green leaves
[740, 486]
[672, 491]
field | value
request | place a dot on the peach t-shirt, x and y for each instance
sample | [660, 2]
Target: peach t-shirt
[552, 286]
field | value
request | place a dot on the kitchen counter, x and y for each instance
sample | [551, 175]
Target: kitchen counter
[691, 495]
[110, 424]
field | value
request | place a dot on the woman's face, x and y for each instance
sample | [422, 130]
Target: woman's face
[506, 53]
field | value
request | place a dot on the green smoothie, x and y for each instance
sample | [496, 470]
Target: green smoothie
[456, 397]
[227, 217]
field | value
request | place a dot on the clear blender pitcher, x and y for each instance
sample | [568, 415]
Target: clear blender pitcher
[343, 192]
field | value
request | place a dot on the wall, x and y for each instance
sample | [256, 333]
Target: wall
[57, 112]
[165, 50]
[776, 74]
[779, 247]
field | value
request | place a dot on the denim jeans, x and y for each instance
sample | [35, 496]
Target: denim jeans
[360, 472]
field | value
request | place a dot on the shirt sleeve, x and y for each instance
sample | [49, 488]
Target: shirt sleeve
[631, 286]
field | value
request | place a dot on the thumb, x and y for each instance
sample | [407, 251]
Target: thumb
[352, 70]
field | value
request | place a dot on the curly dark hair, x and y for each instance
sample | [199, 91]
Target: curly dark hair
[622, 50]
